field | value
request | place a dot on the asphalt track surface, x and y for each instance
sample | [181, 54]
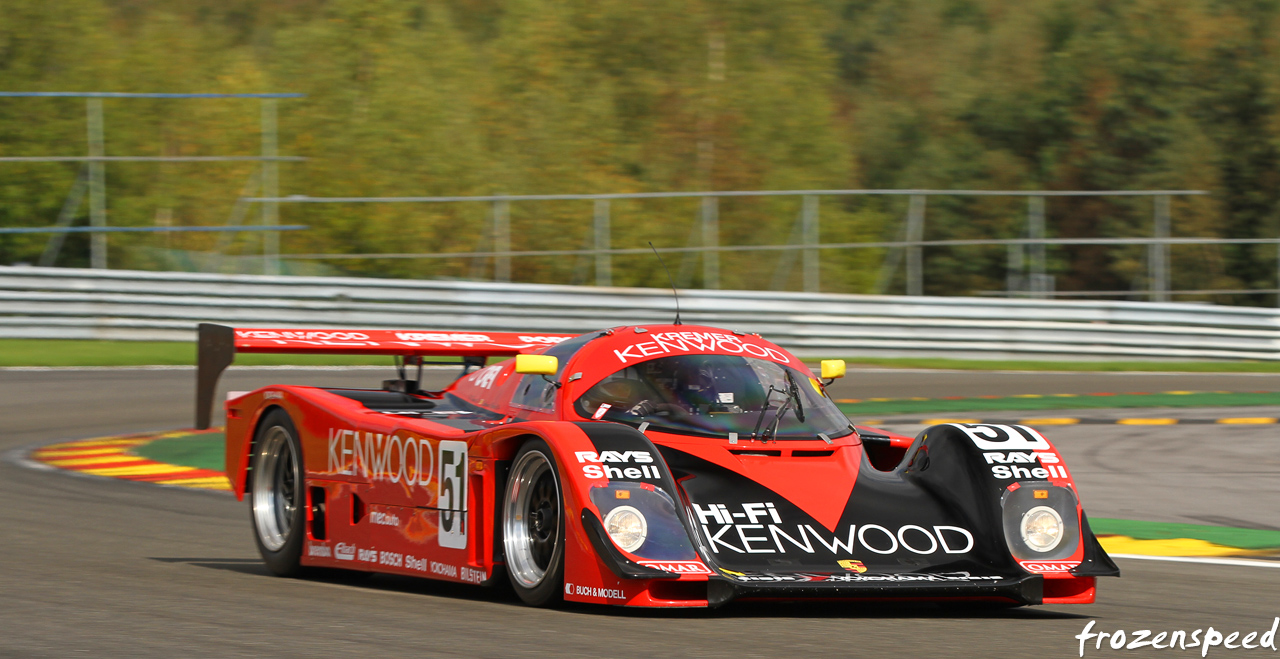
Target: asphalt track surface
[93, 567]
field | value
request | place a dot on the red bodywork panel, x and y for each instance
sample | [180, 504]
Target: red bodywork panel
[383, 476]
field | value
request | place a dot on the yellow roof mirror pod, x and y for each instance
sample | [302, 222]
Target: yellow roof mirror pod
[537, 364]
[832, 369]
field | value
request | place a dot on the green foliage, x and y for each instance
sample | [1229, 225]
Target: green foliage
[1104, 94]
[469, 97]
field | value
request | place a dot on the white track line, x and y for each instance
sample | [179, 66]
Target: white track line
[1245, 562]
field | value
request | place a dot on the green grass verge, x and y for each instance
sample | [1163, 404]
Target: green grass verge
[936, 405]
[1219, 535]
[204, 451]
[68, 352]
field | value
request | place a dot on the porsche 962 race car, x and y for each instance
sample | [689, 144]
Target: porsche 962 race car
[659, 466]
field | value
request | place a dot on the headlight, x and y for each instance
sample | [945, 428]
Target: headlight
[1042, 529]
[627, 527]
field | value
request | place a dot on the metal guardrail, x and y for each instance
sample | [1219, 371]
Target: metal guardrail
[98, 304]
[1027, 258]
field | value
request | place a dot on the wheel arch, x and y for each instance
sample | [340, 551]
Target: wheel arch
[251, 445]
[993, 473]
[582, 563]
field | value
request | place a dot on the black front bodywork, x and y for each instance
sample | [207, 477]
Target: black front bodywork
[935, 527]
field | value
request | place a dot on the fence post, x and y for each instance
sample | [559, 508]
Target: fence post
[1158, 254]
[1038, 281]
[601, 233]
[915, 233]
[711, 240]
[65, 217]
[810, 231]
[1014, 276]
[97, 187]
[270, 188]
[502, 240]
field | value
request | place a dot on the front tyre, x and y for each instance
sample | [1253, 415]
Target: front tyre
[277, 495]
[533, 525]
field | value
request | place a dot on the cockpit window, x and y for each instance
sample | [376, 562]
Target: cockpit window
[716, 395]
[535, 392]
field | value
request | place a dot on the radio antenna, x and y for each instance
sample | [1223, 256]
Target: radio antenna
[669, 279]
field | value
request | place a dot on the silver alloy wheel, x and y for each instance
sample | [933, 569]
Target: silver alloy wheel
[277, 488]
[531, 519]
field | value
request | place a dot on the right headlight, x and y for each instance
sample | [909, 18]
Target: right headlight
[1042, 529]
[627, 526]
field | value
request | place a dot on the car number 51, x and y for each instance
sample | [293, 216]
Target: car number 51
[452, 495]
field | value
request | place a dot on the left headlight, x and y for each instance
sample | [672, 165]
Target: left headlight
[627, 526]
[1042, 529]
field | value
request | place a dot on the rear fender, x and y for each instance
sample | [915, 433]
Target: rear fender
[245, 415]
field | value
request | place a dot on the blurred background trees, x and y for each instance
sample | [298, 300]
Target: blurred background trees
[463, 97]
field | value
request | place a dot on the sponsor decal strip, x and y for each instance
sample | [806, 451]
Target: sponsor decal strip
[664, 343]
[757, 528]
[907, 577]
[345, 551]
[113, 457]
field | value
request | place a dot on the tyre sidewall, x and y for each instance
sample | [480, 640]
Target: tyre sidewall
[551, 590]
[287, 561]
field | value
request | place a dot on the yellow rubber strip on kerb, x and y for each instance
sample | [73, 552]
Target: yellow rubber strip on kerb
[1120, 544]
[150, 469]
[1248, 420]
[113, 457]
[1147, 422]
[1049, 422]
[97, 443]
[934, 422]
[101, 460]
[71, 455]
[211, 483]
[81, 451]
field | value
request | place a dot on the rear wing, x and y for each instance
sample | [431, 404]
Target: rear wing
[218, 345]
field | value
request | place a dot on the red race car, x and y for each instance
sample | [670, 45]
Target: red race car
[662, 465]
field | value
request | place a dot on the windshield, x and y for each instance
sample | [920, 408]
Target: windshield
[716, 395]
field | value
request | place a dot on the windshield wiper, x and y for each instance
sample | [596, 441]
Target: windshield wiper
[764, 410]
[777, 418]
[793, 390]
[793, 396]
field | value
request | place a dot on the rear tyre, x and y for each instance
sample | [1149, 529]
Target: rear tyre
[533, 525]
[277, 494]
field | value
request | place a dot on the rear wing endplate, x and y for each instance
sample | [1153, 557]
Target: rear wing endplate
[218, 345]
